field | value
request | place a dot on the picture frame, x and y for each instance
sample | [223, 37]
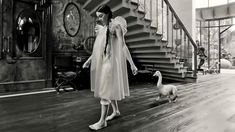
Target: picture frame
[72, 19]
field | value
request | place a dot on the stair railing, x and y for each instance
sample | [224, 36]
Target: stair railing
[172, 30]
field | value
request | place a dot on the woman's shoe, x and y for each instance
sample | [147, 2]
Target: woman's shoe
[112, 116]
[98, 126]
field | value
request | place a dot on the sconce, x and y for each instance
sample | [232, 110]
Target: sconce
[6, 44]
[7, 50]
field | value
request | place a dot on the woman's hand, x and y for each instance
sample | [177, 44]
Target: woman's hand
[86, 64]
[97, 28]
[134, 70]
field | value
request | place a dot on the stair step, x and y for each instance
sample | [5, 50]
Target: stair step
[152, 56]
[134, 2]
[134, 25]
[159, 65]
[153, 61]
[142, 46]
[153, 28]
[93, 4]
[179, 79]
[162, 65]
[130, 17]
[93, 11]
[154, 47]
[146, 38]
[147, 21]
[114, 3]
[176, 75]
[82, 2]
[166, 70]
[138, 31]
[142, 43]
[120, 10]
[159, 62]
[147, 52]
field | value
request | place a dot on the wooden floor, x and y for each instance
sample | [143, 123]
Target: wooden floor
[205, 106]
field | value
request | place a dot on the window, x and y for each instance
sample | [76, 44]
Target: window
[230, 1]
[210, 3]
[217, 2]
[201, 3]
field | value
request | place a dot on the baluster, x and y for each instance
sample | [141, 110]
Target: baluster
[145, 9]
[188, 51]
[159, 18]
[167, 26]
[176, 43]
[162, 19]
[172, 31]
[181, 43]
[138, 1]
[157, 15]
[185, 51]
[151, 11]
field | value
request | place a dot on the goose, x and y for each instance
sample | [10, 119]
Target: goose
[165, 90]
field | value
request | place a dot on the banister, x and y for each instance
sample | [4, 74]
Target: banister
[187, 33]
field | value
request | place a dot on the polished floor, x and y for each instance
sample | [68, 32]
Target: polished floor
[205, 106]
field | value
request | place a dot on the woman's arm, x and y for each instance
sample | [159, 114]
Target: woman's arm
[127, 54]
[125, 49]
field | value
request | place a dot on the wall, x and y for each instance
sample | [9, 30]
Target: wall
[27, 72]
[62, 42]
[185, 9]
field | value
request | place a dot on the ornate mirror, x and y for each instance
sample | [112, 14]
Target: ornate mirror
[72, 19]
[28, 31]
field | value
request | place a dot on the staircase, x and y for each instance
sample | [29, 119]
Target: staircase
[156, 37]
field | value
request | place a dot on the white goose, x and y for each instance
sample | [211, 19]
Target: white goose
[165, 90]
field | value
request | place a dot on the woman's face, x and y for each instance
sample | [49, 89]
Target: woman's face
[101, 18]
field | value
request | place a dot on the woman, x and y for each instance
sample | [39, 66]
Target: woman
[109, 79]
[201, 54]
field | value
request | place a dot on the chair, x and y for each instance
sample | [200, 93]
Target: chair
[64, 73]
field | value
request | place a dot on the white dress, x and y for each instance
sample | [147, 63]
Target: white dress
[105, 76]
[109, 79]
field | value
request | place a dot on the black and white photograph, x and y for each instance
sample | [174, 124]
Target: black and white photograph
[117, 65]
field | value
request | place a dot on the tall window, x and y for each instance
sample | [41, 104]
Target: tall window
[217, 2]
[210, 3]
[230, 1]
[201, 3]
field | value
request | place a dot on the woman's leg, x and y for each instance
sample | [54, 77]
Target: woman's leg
[116, 111]
[104, 112]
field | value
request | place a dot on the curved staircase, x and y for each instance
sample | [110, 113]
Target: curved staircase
[156, 43]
